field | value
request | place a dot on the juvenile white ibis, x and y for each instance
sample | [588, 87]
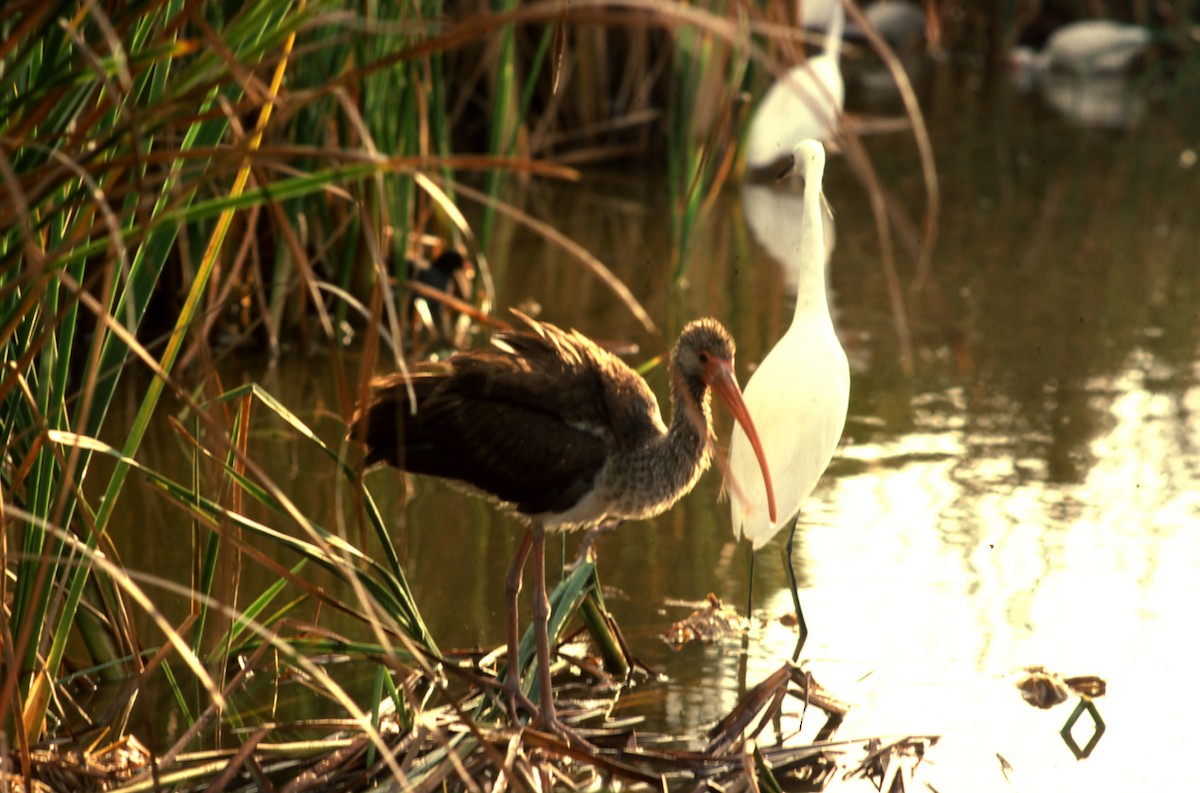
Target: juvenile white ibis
[804, 103]
[799, 393]
[562, 433]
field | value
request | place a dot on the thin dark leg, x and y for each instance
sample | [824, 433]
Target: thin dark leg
[512, 590]
[541, 619]
[743, 665]
[750, 587]
[801, 625]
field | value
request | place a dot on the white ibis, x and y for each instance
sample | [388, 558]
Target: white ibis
[799, 394]
[1085, 48]
[562, 433]
[1082, 72]
[804, 103]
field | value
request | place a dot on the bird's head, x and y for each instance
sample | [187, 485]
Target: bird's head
[703, 359]
[808, 160]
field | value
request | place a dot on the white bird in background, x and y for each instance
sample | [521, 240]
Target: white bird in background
[804, 103]
[798, 396]
[1095, 46]
[900, 22]
[817, 14]
[1085, 48]
[1082, 72]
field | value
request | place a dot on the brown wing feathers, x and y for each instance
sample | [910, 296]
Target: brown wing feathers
[531, 402]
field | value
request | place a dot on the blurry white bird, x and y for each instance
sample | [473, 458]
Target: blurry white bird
[1100, 101]
[1088, 47]
[902, 25]
[798, 396]
[1082, 72]
[900, 22]
[817, 14]
[804, 103]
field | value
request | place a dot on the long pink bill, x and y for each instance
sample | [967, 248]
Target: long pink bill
[720, 378]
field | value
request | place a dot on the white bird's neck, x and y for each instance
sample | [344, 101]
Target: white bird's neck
[811, 302]
[833, 36]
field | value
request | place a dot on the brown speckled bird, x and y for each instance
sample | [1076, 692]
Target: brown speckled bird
[560, 432]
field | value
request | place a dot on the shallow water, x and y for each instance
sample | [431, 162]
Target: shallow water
[1029, 495]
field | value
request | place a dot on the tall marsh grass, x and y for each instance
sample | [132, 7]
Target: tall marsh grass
[180, 180]
[172, 171]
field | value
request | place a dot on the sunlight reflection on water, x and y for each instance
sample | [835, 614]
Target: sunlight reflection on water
[1095, 577]
[1040, 510]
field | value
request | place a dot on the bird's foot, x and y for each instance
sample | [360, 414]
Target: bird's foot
[553, 725]
[519, 705]
[517, 701]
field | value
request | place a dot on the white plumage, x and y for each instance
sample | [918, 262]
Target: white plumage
[804, 103]
[1085, 48]
[799, 393]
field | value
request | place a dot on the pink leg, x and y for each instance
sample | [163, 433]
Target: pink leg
[541, 618]
[547, 719]
[512, 590]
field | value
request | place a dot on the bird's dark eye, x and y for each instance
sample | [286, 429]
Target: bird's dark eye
[703, 357]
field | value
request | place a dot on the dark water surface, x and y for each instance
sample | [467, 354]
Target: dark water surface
[1030, 495]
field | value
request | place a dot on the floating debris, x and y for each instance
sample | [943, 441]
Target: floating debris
[714, 622]
[1044, 689]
